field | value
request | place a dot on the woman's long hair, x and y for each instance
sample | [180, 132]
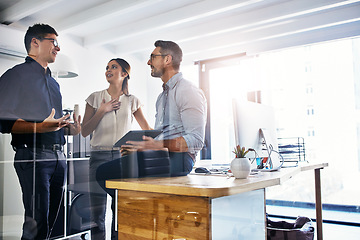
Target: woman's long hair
[125, 68]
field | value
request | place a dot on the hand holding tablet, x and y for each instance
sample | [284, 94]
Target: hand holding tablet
[136, 135]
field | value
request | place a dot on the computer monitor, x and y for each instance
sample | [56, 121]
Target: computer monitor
[255, 128]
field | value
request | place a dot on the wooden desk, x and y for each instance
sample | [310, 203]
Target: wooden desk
[200, 207]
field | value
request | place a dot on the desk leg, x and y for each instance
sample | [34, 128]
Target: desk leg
[116, 210]
[318, 205]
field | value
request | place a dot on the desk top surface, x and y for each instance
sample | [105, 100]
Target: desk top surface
[209, 185]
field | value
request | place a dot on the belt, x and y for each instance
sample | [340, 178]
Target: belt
[100, 148]
[52, 147]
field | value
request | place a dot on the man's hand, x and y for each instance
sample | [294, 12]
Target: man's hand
[50, 124]
[173, 145]
[75, 128]
[148, 144]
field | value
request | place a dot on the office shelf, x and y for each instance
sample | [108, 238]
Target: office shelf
[292, 150]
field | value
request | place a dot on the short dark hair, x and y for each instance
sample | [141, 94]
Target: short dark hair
[171, 48]
[38, 31]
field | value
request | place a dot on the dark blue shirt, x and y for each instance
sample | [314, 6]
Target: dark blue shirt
[28, 92]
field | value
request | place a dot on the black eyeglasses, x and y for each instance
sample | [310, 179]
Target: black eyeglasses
[153, 56]
[55, 42]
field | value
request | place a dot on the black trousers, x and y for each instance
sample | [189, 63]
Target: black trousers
[41, 193]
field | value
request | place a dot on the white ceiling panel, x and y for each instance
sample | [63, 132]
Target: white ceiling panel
[203, 28]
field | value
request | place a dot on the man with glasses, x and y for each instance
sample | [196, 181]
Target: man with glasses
[31, 110]
[180, 111]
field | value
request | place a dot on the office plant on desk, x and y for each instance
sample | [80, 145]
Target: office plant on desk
[240, 165]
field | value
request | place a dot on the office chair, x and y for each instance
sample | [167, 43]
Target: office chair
[153, 163]
[78, 187]
[138, 164]
[79, 214]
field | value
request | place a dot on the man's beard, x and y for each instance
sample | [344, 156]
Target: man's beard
[158, 73]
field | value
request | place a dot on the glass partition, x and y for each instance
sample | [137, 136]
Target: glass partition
[73, 216]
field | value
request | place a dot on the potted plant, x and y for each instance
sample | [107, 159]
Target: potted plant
[240, 165]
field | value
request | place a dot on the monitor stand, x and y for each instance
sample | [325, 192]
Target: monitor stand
[265, 136]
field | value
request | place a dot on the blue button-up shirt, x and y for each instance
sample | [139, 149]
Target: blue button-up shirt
[181, 112]
[29, 93]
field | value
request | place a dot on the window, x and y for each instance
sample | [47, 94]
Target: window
[308, 68]
[284, 81]
[311, 132]
[310, 110]
[309, 90]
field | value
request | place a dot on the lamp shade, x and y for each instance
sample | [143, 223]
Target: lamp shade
[64, 67]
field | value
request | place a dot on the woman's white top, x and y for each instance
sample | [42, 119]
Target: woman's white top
[114, 124]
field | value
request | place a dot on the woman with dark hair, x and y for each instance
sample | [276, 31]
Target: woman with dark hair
[108, 116]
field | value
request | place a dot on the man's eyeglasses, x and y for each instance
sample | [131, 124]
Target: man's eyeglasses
[55, 42]
[153, 56]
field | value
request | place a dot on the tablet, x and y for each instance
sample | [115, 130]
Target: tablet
[136, 135]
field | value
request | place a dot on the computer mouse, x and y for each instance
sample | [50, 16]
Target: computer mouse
[201, 170]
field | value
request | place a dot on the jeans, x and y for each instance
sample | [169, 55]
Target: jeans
[181, 164]
[42, 194]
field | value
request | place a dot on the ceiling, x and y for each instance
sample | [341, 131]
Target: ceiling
[203, 28]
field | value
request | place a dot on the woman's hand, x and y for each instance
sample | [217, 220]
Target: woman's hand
[109, 106]
[75, 128]
[93, 116]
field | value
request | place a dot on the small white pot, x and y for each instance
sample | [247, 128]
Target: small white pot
[240, 167]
